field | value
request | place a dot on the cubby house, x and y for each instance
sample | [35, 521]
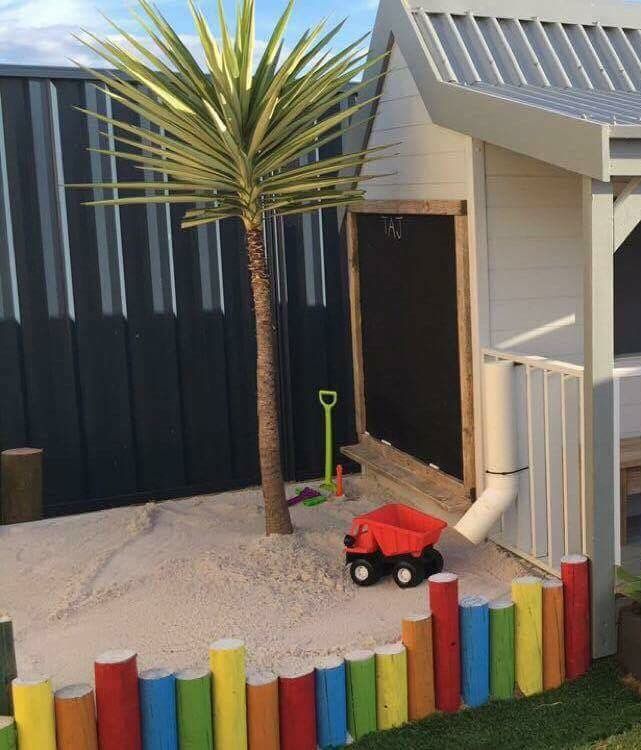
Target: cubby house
[506, 231]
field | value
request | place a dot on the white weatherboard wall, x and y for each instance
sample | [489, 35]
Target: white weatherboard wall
[431, 161]
[630, 400]
[534, 256]
[535, 279]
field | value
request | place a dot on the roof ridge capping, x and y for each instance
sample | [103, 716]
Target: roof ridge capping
[624, 13]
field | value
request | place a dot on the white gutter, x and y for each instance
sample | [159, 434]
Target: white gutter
[501, 453]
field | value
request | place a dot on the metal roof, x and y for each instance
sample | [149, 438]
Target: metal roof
[556, 80]
[589, 71]
[596, 106]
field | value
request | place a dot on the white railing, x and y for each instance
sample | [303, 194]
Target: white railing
[547, 520]
[622, 372]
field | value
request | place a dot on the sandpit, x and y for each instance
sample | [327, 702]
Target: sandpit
[167, 579]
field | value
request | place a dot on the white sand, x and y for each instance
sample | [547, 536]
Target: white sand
[167, 579]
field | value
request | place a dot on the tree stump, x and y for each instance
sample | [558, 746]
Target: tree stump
[21, 479]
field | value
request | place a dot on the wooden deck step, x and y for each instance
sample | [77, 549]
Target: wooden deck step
[416, 478]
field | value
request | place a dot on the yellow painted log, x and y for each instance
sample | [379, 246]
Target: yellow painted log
[227, 663]
[34, 714]
[391, 686]
[528, 633]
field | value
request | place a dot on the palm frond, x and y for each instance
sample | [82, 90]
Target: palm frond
[231, 138]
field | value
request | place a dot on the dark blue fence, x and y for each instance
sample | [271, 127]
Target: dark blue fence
[127, 344]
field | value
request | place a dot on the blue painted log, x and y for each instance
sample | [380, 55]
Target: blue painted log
[331, 703]
[158, 710]
[475, 650]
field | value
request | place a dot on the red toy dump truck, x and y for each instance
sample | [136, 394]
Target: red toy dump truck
[393, 538]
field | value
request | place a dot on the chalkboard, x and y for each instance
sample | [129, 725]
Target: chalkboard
[410, 336]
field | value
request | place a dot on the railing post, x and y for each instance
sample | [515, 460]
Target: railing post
[616, 479]
[598, 294]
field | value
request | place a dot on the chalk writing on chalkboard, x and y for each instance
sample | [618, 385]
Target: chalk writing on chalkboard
[393, 226]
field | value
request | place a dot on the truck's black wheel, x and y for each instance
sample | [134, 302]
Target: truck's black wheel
[433, 561]
[364, 572]
[408, 573]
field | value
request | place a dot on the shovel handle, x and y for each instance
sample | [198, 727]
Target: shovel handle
[328, 398]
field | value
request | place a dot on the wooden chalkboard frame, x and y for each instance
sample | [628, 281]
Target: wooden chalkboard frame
[458, 210]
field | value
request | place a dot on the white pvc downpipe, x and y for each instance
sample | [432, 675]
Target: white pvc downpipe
[501, 453]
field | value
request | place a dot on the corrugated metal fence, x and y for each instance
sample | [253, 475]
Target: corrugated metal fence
[126, 344]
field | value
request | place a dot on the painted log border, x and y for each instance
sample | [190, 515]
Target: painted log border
[500, 654]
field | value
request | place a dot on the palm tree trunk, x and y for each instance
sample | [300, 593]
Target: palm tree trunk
[277, 519]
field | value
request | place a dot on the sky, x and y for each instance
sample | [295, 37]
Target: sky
[39, 32]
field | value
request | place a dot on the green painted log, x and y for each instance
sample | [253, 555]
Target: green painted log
[193, 697]
[7, 733]
[8, 670]
[502, 650]
[360, 675]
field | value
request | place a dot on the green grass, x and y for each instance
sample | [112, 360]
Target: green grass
[596, 712]
[628, 741]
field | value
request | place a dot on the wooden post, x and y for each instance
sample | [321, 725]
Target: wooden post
[355, 320]
[528, 633]
[75, 718]
[34, 714]
[331, 713]
[8, 671]
[502, 649]
[443, 602]
[118, 701]
[553, 637]
[391, 686]
[229, 699]
[598, 392]
[361, 693]
[158, 709]
[417, 639]
[475, 650]
[479, 288]
[262, 711]
[193, 709]
[21, 479]
[465, 352]
[575, 573]
[297, 709]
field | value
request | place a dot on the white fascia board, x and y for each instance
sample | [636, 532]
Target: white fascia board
[606, 12]
[576, 145]
[356, 137]
[625, 156]
[625, 131]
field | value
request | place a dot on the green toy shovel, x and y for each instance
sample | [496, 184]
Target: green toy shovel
[328, 401]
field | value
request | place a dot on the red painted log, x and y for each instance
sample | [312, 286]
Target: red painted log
[118, 701]
[443, 601]
[297, 709]
[575, 574]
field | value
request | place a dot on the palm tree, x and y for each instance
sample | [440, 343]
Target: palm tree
[234, 138]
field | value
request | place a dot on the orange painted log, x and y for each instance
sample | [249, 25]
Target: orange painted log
[553, 638]
[417, 638]
[75, 718]
[262, 711]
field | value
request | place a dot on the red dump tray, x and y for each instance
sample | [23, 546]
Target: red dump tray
[399, 529]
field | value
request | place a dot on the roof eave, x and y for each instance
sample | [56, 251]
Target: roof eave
[605, 12]
[580, 146]
[568, 142]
